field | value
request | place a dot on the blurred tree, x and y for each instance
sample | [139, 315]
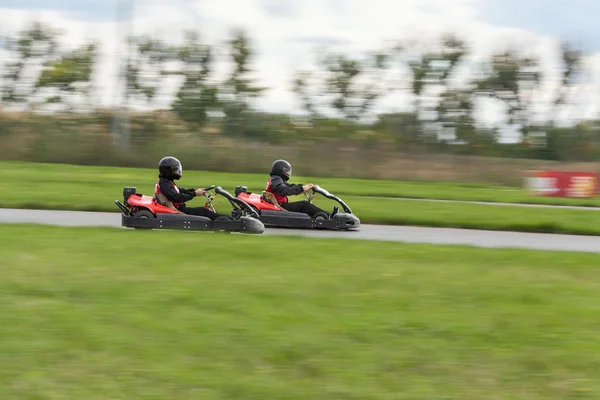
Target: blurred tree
[571, 68]
[196, 96]
[69, 74]
[440, 106]
[422, 70]
[561, 143]
[36, 72]
[513, 79]
[146, 68]
[455, 111]
[239, 88]
[423, 74]
[401, 126]
[301, 87]
[29, 50]
[455, 107]
[354, 85]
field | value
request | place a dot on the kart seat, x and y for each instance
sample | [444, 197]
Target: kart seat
[163, 201]
[270, 198]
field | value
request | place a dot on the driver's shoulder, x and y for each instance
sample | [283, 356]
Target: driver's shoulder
[276, 179]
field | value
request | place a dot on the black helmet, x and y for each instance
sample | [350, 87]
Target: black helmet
[282, 168]
[170, 168]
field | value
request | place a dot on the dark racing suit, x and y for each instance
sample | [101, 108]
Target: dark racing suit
[281, 189]
[178, 196]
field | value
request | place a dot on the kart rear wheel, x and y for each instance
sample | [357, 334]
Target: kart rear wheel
[143, 214]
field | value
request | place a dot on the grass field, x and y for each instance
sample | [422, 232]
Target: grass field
[115, 314]
[46, 179]
[52, 186]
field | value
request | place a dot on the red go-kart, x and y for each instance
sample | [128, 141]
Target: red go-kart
[151, 212]
[274, 216]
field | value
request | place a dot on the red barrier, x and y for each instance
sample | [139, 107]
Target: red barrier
[563, 184]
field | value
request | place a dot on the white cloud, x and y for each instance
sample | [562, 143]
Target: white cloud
[285, 41]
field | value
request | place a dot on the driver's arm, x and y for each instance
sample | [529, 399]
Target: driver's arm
[168, 189]
[285, 189]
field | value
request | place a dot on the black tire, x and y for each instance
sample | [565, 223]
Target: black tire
[320, 216]
[144, 214]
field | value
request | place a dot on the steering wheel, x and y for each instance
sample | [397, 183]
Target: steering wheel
[310, 197]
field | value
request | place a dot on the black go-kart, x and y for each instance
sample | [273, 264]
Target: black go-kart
[272, 215]
[156, 212]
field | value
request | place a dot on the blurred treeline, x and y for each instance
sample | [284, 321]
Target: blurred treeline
[49, 108]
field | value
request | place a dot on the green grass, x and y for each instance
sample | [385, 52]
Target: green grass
[44, 180]
[477, 216]
[122, 314]
[51, 186]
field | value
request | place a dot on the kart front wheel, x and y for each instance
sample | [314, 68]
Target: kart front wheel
[320, 216]
[143, 214]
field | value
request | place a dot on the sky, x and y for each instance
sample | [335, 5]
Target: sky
[286, 33]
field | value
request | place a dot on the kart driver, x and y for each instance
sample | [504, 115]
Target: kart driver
[170, 169]
[281, 171]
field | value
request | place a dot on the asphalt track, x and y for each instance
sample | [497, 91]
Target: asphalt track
[409, 234]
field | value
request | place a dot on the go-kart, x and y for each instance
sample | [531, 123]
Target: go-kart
[156, 212]
[274, 216]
